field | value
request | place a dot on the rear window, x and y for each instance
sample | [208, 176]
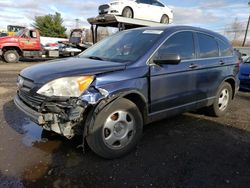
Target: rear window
[225, 49]
[208, 46]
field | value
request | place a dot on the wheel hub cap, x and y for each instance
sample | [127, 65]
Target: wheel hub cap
[223, 99]
[11, 57]
[118, 129]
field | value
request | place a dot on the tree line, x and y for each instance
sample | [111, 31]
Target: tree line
[52, 26]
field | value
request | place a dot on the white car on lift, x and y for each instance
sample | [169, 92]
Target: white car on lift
[151, 10]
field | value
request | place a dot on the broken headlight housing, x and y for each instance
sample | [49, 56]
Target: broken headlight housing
[66, 87]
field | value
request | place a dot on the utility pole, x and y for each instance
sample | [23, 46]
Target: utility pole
[77, 23]
[244, 41]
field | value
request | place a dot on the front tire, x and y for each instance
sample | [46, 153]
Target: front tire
[127, 12]
[11, 56]
[222, 101]
[116, 129]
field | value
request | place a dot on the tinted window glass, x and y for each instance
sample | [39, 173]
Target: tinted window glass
[225, 49]
[144, 1]
[156, 3]
[208, 46]
[181, 43]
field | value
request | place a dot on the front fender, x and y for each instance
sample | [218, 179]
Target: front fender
[9, 45]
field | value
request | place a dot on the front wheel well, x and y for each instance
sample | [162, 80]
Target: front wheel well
[130, 9]
[7, 48]
[139, 102]
[232, 83]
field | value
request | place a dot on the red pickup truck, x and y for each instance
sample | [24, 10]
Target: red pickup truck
[26, 43]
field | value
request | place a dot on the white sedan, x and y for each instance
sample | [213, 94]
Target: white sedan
[151, 10]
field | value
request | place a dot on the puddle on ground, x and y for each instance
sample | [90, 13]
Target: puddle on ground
[32, 134]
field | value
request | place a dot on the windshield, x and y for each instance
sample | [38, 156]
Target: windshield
[19, 33]
[126, 46]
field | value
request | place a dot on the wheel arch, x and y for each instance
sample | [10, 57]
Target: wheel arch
[133, 14]
[133, 95]
[140, 102]
[7, 48]
[232, 82]
[164, 14]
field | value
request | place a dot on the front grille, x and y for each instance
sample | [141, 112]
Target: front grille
[30, 98]
[103, 9]
[26, 85]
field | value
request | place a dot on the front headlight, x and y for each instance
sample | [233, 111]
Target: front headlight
[66, 87]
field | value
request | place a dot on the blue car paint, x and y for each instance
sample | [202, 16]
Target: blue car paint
[163, 88]
[43, 73]
[244, 76]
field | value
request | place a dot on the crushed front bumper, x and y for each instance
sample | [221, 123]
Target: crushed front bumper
[63, 122]
[33, 115]
[63, 116]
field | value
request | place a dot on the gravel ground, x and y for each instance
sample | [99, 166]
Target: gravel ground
[189, 150]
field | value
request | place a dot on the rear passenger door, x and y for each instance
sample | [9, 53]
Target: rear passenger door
[172, 86]
[209, 67]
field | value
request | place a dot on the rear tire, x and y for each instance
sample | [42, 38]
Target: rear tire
[127, 12]
[164, 19]
[11, 56]
[222, 101]
[115, 129]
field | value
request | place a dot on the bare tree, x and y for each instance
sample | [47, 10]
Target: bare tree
[235, 32]
[102, 33]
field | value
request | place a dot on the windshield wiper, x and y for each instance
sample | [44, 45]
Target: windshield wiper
[95, 57]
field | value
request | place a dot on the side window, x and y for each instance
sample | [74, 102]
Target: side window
[25, 35]
[225, 49]
[33, 34]
[181, 43]
[208, 46]
[144, 1]
[157, 3]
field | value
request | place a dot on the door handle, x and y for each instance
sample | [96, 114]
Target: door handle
[193, 66]
[222, 62]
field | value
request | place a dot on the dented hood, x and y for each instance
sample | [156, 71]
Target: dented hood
[46, 72]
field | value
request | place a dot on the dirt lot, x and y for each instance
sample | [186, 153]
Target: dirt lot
[189, 150]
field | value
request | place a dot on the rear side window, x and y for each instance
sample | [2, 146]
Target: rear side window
[157, 3]
[144, 1]
[225, 49]
[33, 34]
[208, 46]
[181, 43]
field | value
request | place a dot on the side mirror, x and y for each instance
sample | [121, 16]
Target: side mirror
[172, 59]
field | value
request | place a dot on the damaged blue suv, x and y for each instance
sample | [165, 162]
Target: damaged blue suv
[127, 80]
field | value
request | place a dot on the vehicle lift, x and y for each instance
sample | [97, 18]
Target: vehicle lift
[119, 22]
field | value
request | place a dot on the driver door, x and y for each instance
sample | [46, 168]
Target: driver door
[30, 41]
[173, 86]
